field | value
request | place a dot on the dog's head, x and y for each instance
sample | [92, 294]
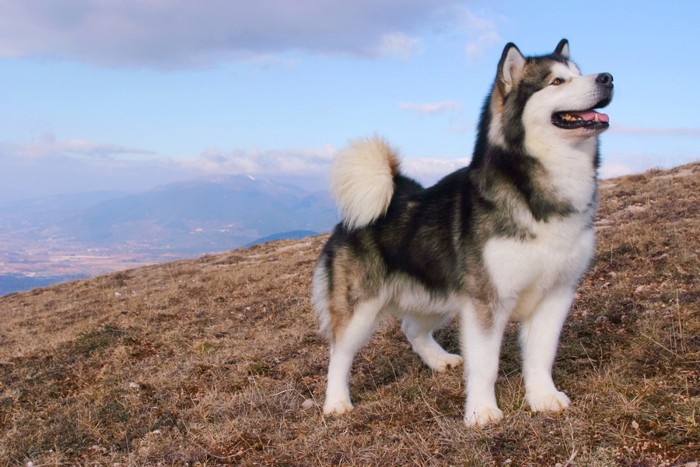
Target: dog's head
[546, 98]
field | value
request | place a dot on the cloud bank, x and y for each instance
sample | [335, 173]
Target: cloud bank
[483, 34]
[48, 146]
[50, 166]
[448, 106]
[183, 33]
[309, 162]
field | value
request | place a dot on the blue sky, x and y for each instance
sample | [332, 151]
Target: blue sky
[131, 94]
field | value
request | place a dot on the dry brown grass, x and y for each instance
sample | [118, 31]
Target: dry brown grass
[209, 362]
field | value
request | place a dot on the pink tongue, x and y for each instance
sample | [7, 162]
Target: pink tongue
[590, 116]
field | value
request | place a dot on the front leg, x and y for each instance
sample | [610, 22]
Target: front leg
[482, 333]
[539, 338]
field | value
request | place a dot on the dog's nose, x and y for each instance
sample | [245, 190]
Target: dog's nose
[606, 79]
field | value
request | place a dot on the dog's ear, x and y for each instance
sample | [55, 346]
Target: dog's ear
[510, 68]
[562, 49]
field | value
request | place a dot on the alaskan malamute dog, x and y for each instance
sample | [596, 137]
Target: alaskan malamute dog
[509, 236]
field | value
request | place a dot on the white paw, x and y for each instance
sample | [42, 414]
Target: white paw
[482, 415]
[445, 361]
[337, 407]
[554, 401]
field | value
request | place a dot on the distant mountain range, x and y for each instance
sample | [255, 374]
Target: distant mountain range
[172, 221]
[202, 216]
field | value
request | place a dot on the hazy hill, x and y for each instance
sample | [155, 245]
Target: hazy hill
[225, 212]
[207, 215]
[52, 208]
[49, 239]
[212, 361]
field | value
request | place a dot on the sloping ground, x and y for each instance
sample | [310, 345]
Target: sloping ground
[211, 362]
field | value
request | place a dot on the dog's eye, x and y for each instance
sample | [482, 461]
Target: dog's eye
[557, 82]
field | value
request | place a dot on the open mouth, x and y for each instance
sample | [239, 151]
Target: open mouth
[589, 119]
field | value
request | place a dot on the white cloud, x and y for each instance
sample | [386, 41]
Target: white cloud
[447, 106]
[398, 45]
[428, 170]
[50, 166]
[47, 146]
[268, 163]
[482, 32]
[308, 163]
[184, 33]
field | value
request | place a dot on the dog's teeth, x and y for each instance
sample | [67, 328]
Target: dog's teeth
[595, 118]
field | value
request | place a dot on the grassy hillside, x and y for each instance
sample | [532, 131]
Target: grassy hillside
[218, 361]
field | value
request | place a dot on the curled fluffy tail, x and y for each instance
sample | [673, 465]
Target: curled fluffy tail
[362, 181]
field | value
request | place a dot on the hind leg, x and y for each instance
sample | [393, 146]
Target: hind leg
[346, 343]
[419, 331]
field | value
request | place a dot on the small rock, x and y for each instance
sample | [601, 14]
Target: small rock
[307, 404]
[134, 386]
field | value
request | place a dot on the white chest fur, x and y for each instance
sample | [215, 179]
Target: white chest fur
[522, 271]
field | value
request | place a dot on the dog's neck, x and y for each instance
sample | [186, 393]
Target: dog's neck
[571, 167]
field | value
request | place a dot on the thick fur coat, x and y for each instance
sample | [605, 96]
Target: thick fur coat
[507, 237]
